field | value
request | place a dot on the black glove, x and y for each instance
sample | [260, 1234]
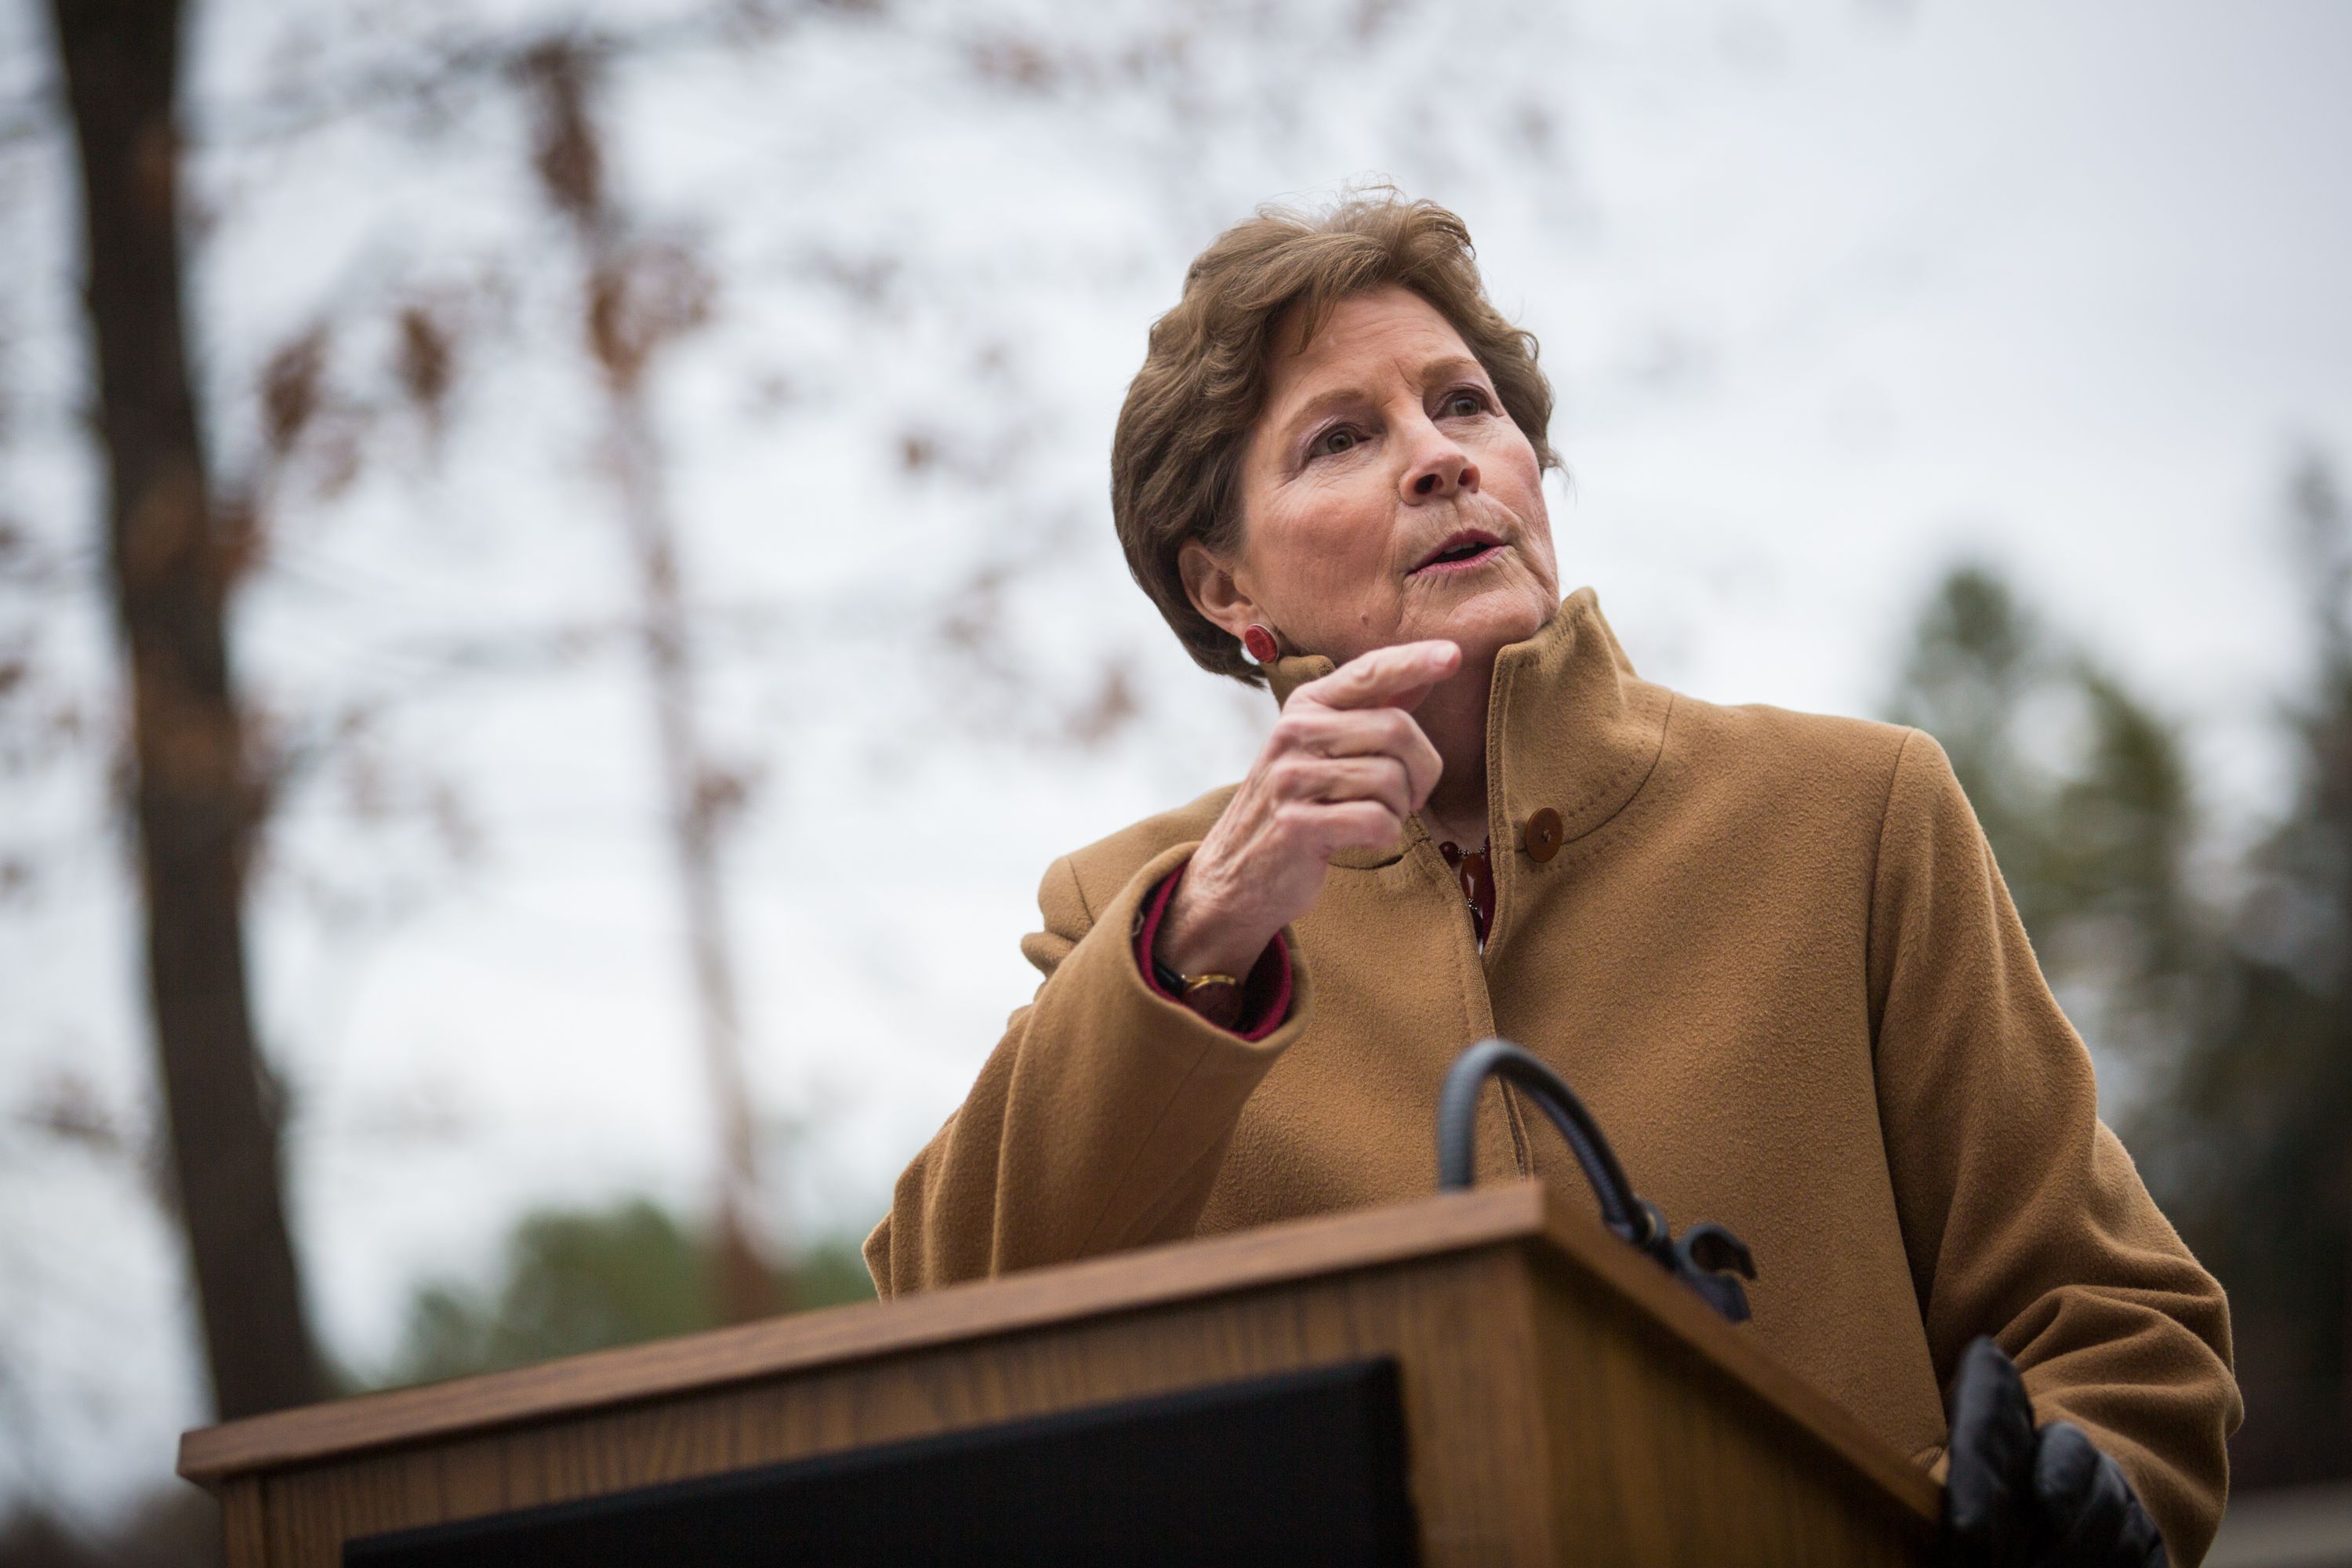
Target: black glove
[2018, 1498]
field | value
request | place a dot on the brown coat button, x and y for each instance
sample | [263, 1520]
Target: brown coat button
[1543, 835]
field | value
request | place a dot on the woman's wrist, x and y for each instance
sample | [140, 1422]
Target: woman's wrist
[1196, 938]
[1251, 1002]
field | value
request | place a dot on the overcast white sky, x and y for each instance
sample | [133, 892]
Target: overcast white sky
[1833, 294]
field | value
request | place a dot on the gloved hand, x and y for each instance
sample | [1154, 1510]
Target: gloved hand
[2020, 1498]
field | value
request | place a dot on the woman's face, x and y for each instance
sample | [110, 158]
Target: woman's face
[1386, 497]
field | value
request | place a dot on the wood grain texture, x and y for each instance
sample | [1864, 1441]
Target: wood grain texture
[1121, 1282]
[1564, 1400]
[1580, 1245]
[1662, 1457]
[1460, 1327]
[241, 1523]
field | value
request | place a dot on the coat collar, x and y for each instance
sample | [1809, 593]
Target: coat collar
[1569, 726]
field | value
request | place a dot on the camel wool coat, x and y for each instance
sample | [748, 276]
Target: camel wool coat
[1771, 952]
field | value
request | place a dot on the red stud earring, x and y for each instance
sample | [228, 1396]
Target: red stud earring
[1259, 644]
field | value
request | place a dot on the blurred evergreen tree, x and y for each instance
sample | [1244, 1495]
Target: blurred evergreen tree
[2234, 1025]
[576, 1280]
[2083, 792]
[2251, 1146]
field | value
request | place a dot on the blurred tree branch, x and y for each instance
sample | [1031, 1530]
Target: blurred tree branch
[637, 297]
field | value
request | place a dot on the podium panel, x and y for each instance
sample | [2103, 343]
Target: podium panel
[1304, 1469]
[1562, 1400]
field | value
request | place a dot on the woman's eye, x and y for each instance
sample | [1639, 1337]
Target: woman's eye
[1462, 405]
[1334, 441]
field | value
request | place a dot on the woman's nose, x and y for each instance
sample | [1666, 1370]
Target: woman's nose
[1440, 470]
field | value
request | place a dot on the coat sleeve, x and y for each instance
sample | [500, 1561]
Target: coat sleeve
[1101, 1121]
[2022, 1216]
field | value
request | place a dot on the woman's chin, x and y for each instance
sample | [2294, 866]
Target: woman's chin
[1483, 618]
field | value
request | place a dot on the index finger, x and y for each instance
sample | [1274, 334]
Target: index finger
[1377, 680]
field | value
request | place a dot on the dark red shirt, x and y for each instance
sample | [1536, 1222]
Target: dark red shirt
[1476, 872]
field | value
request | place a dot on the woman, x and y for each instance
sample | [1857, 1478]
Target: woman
[1771, 950]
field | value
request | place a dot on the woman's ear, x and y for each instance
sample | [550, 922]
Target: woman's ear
[1210, 583]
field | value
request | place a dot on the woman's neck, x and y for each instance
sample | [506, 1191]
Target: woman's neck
[1453, 717]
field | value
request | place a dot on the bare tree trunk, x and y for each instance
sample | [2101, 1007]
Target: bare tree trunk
[697, 798]
[170, 588]
[633, 300]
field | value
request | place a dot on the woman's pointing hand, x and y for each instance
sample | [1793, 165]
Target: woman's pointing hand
[1345, 765]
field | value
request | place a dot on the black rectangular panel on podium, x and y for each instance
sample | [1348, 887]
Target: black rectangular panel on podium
[1304, 1469]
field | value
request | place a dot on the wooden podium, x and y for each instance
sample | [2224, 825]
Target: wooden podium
[1558, 1399]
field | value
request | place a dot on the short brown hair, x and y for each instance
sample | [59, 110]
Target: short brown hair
[1176, 455]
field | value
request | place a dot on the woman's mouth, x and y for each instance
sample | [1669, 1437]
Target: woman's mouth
[1460, 552]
